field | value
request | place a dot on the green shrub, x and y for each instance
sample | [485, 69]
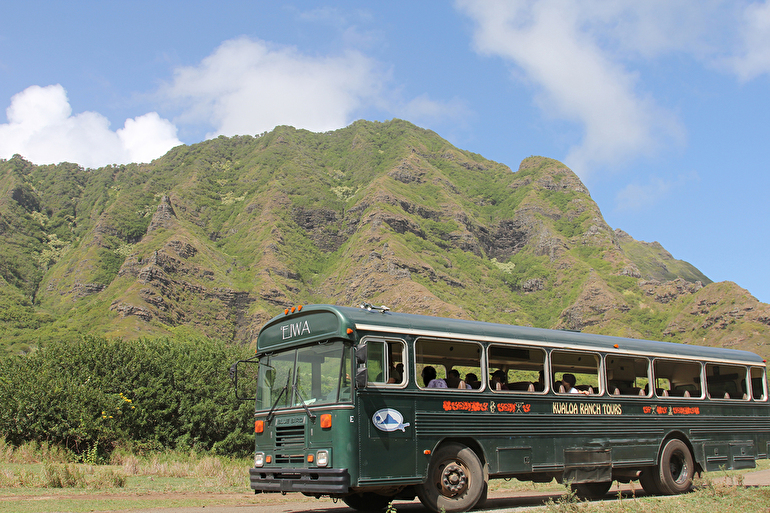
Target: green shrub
[95, 394]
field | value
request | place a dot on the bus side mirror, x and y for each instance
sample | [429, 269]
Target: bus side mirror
[361, 374]
[244, 374]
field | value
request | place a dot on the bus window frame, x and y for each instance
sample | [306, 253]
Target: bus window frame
[600, 371]
[520, 345]
[385, 340]
[650, 378]
[482, 363]
[763, 398]
[679, 361]
[746, 376]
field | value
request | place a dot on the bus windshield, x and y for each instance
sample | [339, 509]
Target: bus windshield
[311, 375]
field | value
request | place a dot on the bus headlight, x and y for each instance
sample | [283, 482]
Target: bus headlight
[259, 459]
[322, 458]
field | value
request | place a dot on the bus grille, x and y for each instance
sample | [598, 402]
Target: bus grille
[289, 445]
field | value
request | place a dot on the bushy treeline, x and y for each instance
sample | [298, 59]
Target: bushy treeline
[146, 393]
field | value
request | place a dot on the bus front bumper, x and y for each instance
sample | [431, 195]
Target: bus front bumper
[324, 481]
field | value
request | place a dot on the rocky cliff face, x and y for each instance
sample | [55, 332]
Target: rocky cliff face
[218, 237]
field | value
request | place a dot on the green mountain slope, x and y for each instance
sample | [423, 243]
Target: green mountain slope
[217, 237]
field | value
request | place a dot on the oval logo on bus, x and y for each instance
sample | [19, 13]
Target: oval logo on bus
[388, 419]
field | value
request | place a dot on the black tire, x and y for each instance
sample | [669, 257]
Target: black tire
[647, 480]
[676, 468]
[592, 490]
[455, 480]
[367, 501]
[483, 498]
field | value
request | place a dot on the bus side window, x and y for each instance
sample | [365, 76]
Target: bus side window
[583, 367]
[726, 381]
[677, 378]
[516, 369]
[385, 362]
[457, 364]
[627, 375]
[758, 381]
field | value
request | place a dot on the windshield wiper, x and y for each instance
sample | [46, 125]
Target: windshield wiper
[271, 413]
[302, 401]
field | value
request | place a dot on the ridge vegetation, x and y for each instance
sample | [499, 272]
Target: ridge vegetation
[215, 238]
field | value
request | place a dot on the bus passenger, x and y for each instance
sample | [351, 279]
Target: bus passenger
[430, 380]
[396, 373]
[568, 380]
[453, 380]
[472, 381]
[499, 380]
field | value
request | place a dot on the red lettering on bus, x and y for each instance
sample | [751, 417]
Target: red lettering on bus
[465, 406]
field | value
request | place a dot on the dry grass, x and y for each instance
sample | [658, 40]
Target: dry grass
[35, 465]
[215, 470]
[32, 452]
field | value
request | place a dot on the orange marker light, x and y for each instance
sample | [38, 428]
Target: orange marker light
[350, 331]
[326, 421]
[299, 307]
[259, 426]
[616, 346]
[310, 458]
[286, 311]
[268, 459]
[426, 452]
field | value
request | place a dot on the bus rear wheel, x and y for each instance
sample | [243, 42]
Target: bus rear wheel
[647, 480]
[367, 501]
[455, 480]
[676, 469]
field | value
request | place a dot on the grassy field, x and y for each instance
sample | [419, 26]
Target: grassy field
[715, 492]
[42, 479]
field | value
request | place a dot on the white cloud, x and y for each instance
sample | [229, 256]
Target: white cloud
[41, 128]
[561, 47]
[248, 87]
[423, 109]
[148, 137]
[636, 196]
[753, 56]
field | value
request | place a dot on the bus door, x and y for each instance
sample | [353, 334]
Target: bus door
[386, 414]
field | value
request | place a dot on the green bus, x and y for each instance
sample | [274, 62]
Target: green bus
[372, 406]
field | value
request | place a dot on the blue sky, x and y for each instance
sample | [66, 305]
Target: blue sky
[661, 107]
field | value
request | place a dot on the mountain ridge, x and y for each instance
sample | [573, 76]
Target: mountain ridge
[216, 237]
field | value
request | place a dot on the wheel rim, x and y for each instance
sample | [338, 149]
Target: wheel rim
[453, 479]
[678, 468]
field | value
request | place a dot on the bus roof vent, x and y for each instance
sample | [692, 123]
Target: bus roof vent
[370, 307]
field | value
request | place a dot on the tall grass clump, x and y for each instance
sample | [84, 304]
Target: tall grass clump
[32, 452]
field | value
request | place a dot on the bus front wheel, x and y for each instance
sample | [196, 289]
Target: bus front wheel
[676, 469]
[455, 480]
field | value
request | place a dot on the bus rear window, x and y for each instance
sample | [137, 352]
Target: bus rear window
[677, 378]
[758, 384]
